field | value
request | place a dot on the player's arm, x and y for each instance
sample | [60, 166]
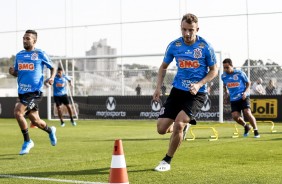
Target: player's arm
[213, 72]
[50, 80]
[226, 94]
[247, 90]
[160, 80]
[225, 90]
[69, 80]
[248, 86]
[13, 72]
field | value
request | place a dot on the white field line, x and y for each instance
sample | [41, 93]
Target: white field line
[47, 179]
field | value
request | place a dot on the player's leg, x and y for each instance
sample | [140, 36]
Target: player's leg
[236, 116]
[19, 112]
[246, 106]
[236, 108]
[60, 114]
[177, 135]
[58, 102]
[164, 125]
[248, 114]
[239, 119]
[33, 102]
[65, 101]
[35, 119]
[70, 114]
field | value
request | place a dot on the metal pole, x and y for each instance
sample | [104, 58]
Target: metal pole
[248, 52]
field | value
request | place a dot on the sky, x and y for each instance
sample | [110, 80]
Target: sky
[239, 29]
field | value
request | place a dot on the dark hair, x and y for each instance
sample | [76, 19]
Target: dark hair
[227, 60]
[59, 69]
[190, 18]
[32, 32]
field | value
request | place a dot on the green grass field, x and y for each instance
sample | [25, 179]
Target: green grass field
[84, 153]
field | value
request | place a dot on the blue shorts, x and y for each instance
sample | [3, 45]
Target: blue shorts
[179, 100]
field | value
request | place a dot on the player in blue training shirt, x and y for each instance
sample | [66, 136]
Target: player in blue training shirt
[196, 63]
[60, 95]
[237, 88]
[28, 68]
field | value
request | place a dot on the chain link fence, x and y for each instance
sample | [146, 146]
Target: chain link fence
[123, 81]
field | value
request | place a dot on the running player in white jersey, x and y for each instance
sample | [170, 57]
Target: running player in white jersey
[60, 95]
[237, 88]
[196, 62]
[28, 68]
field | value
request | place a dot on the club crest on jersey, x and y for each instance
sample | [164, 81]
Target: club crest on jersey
[178, 44]
[235, 77]
[197, 53]
[26, 66]
[34, 56]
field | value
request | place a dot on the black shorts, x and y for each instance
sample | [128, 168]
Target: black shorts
[240, 105]
[31, 100]
[59, 100]
[182, 100]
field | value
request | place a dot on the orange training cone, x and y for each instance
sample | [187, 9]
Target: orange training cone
[32, 125]
[118, 172]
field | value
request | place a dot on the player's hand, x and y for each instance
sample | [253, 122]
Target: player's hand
[156, 95]
[194, 88]
[12, 70]
[226, 98]
[244, 96]
[48, 82]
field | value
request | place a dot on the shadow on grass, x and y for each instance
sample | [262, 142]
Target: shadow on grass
[8, 156]
[98, 171]
[4, 155]
[65, 173]
[271, 133]
[126, 139]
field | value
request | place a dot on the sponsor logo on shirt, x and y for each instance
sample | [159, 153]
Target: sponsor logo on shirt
[60, 84]
[26, 66]
[188, 52]
[189, 63]
[233, 84]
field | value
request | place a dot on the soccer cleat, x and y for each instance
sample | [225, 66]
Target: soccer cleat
[52, 136]
[247, 129]
[256, 134]
[185, 131]
[63, 124]
[73, 123]
[163, 166]
[27, 145]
